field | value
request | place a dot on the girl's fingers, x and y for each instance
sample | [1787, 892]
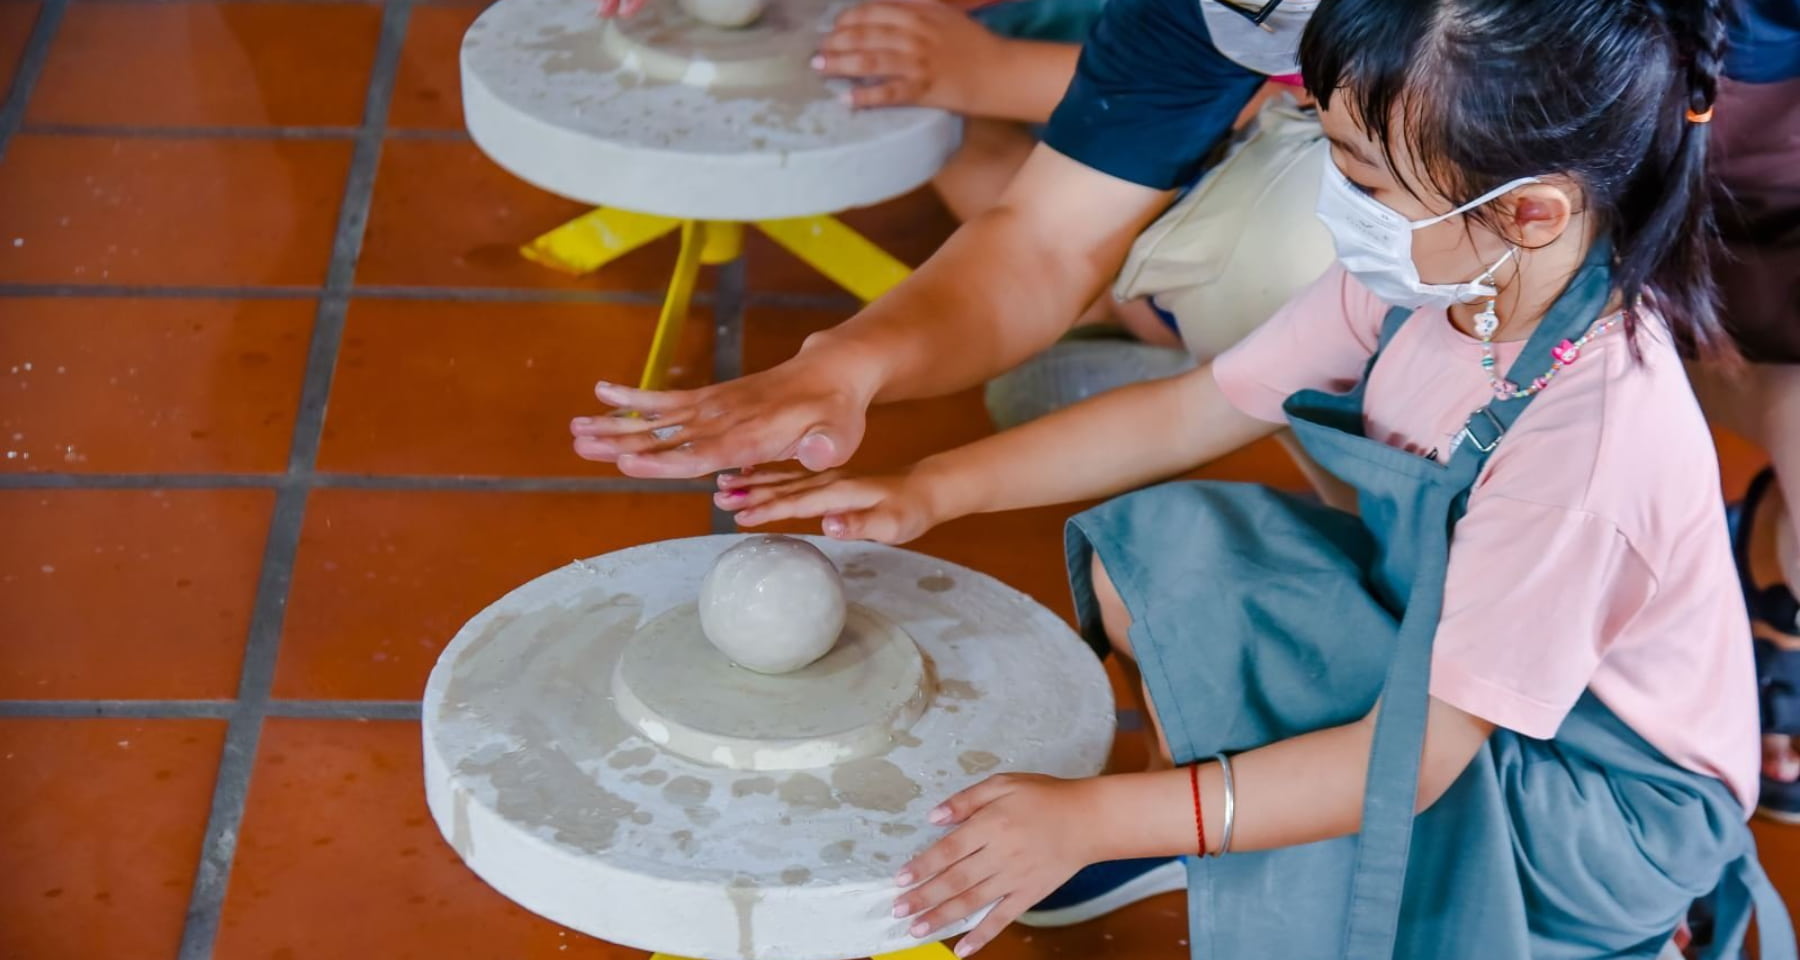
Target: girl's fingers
[611, 449]
[866, 39]
[937, 858]
[956, 895]
[869, 63]
[960, 808]
[910, 17]
[833, 497]
[629, 7]
[1010, 907]
[892, 93]
[749, 498]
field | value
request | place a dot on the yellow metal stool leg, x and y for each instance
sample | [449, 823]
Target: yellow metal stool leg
[724, 242]
[846, 257]
[596, 238]
[675, 306]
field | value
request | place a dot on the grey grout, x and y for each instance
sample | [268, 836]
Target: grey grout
[231, 792]
[229, 132]
[138, 709]
[791, 301]
[344, 481]
[345, 709]
[31, 66]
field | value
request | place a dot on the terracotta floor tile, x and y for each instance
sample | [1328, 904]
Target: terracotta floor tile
[101, 823]
[127, 594]
[485, 388]
[910, 228]
[1155, 929]
[444, 215]
[428, 88]
[16, 21]
[338, 858]
[898, 434]
[1739, 462]
[150, 386]
[1778, 846]
[198, 64]
[146, 211]
[384, 580]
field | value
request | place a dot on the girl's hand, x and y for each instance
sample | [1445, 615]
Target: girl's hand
[886, 509]
[1018, 837]
[924, 52]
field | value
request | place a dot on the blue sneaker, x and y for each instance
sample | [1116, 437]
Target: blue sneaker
[1104, 887]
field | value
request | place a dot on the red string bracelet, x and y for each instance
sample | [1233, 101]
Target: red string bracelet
[1199, 817]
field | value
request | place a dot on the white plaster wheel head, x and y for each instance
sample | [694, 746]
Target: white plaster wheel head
[772, 604]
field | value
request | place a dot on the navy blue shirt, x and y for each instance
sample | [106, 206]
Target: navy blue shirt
[1765, 42]
[1151, 96]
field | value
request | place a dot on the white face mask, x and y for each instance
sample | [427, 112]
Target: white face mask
[1271, 47]
[1375, 244]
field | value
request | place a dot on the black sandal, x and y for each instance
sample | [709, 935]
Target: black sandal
[1777, 667]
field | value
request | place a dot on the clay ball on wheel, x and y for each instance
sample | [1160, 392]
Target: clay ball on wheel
[772, 604]
[730, 14]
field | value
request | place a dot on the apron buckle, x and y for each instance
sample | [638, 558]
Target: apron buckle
[1469, 432]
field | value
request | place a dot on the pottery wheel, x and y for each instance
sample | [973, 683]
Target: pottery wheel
[675, 689]
[661, 114]
[556, 801]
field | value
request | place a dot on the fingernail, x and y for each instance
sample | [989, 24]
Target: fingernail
[901, 911]
[847, 99]
[833, 527]
[904, 878]
[940, 816]
[817, 63]
[582, 421]
[736, 494]
[963, 949]
[919, 929]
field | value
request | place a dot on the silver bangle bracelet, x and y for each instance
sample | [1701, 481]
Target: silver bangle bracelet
[1230, 804]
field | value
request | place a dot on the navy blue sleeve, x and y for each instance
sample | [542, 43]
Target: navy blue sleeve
[1151, 95]
[1764, 42]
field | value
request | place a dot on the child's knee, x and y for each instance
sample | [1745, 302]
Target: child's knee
[1115, 619]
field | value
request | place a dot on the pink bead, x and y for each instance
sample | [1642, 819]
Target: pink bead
[1566, 352]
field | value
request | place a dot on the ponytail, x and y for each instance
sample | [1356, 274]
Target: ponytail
[1664, 228]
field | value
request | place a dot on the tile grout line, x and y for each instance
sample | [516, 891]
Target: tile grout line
[648, 298]
[230, 132]
[237, 760]
[729, 296]
[346, 481]
[31, 66]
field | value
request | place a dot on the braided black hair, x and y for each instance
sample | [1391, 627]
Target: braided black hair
[1612, 93]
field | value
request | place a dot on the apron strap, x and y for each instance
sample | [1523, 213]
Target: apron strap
[1385, 840]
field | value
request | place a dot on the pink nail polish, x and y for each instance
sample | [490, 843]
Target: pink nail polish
[900, 911]
[939, 816]
[919, 929]
[817, 63]
[904, 878]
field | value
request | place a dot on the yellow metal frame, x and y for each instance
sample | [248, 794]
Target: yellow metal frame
[593, 240]
[928, 951]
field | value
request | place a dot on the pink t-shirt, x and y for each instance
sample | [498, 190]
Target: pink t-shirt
[1594, 554]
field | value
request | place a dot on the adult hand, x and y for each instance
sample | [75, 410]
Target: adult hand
[885, 509]
[1017, 838]
[806, 410]
[922, 52]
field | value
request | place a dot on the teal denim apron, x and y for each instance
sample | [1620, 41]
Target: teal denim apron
[1257, 617]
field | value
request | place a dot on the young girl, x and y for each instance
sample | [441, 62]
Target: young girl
[1531, 633]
